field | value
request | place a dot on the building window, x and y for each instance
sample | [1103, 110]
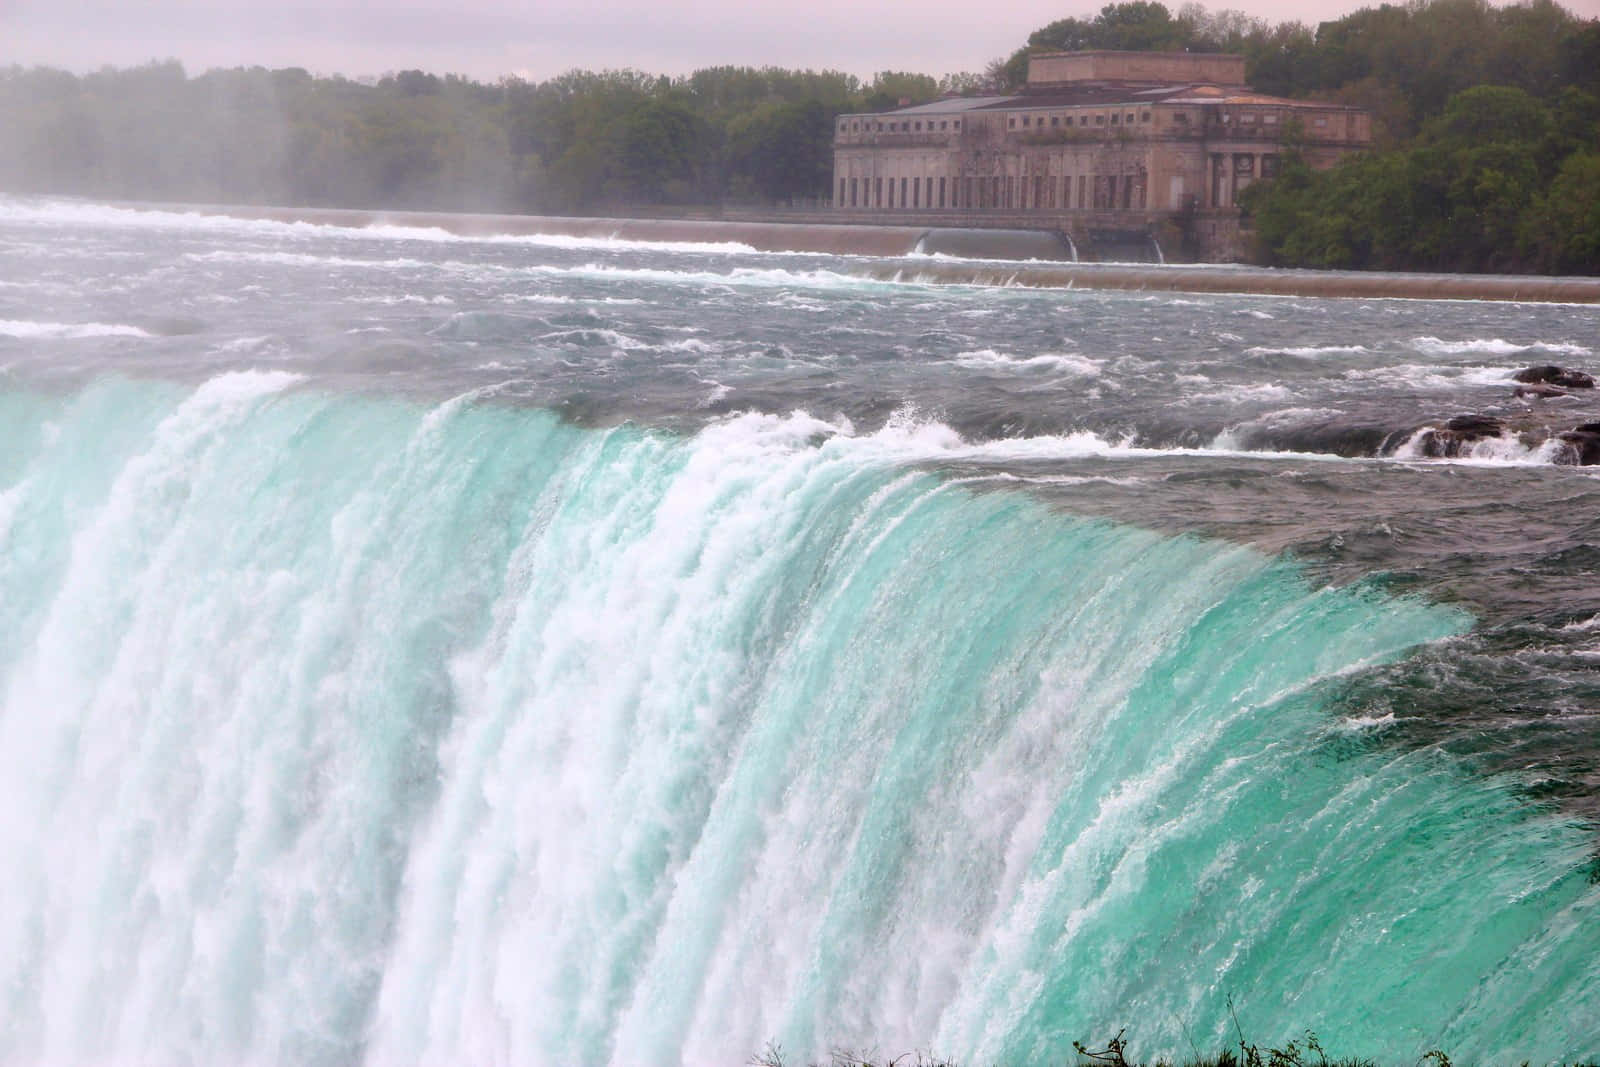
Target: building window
[1144, 116]
[1055, 120]
[841, 192]
[1270, 120]
[877, 188]
[957, 124]
[1099, 120]
[1083, 120]
[941, 192]
[902, 192]
[944, 125]
[1248, 118]
[1320, 123]
[853, 192]
[1130, 118]
[1181, 118]
[919, 127]
[1013, 124]
[855, 126]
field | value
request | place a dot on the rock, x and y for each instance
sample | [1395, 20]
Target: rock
[1580, 447]
[1457, 435]
[1538, 392]
[1476, 426]
[1549, 374]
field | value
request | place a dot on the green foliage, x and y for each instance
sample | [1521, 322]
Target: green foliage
[1499, 180]
[581, 141]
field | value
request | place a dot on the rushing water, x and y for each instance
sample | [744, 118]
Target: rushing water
[418, 649]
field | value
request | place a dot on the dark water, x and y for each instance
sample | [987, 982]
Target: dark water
[1285, 425]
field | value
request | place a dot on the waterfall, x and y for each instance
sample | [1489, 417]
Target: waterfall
[345, 728]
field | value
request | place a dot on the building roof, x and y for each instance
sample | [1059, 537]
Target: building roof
[1109, 96]
[947, 106]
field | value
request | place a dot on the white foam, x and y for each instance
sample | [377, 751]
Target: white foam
[1497, 451]
[301, 259]
[1259, 391]
[611, 243]
[911, 437]
[610, 337]
[1430, 376]
[1356, 724]
[1309, 351]
[388, 299]
[105, 216]
[1065, 362]
[1495, 346]
[688, 344]
[66, 330]
[243, 344]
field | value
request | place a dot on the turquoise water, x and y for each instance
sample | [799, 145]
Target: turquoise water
[340, 728]
[418, 649]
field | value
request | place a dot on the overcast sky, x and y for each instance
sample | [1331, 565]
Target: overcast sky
[540, 38]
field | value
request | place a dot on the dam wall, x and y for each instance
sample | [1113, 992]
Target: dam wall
[763, 236]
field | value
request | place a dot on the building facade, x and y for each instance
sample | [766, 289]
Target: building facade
[1096, 141]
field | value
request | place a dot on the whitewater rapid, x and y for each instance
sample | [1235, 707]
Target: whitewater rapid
[426, 649]
[347, 730]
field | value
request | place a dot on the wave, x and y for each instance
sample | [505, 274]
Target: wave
[1063, 362]
[1433, 346]
[28, 330]
[1309, 351]
[28, 211]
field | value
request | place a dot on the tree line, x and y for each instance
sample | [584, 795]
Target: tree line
[1486, 132]
[583, 141]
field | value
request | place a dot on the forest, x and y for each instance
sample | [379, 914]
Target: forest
[1486, 125]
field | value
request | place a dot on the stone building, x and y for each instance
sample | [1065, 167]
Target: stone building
[1098, 142]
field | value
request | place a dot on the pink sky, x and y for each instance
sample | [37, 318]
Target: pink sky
[539, 38]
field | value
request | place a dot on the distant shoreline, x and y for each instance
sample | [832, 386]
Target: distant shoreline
[897, 242]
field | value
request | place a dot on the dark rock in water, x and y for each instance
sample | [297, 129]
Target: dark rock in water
[1476, 426]
[1457, 435]
[1580, 447]
[1539, 392]
[1549, 374]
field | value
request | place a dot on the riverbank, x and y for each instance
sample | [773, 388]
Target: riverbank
[989, 251]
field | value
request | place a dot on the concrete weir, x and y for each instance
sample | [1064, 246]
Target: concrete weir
[1049, 255]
